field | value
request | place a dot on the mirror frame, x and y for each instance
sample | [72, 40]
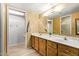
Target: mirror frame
[77, 19]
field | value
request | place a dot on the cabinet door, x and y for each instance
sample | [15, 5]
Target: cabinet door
[67, 51]
[51, 48]
[42, 46]
[36, 43]
[33, 41]
[51, 51]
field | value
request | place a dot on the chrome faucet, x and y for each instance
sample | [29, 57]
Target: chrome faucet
[65, 38]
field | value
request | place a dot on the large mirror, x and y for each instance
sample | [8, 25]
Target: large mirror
[63, 19]
[66, 25]
[77, 26]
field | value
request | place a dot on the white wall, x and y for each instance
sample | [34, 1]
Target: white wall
[16, 30]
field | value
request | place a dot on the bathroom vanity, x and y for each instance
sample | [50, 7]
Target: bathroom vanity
[55, 45]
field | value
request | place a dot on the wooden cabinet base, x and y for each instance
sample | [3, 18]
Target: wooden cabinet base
[45, 47]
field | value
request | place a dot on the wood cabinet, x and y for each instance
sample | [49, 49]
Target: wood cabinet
[42, 46]
[64, 50]
[36, 43]
[51, 48]
[33, 41]
[46, 47]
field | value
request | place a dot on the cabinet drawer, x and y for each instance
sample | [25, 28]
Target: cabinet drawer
[52, 44]
[66, 50]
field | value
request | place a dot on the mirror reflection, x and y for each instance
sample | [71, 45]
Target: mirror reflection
[65, 25]
[63, 17]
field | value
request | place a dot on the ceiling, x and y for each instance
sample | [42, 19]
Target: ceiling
[35, 7]
[45, 7]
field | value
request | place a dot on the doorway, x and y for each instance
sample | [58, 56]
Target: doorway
[16, 31]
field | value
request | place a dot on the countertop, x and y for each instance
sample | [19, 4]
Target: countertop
[71, 41]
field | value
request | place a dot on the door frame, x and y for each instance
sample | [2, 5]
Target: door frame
[5, 20]
[15, 9]
[4, 28]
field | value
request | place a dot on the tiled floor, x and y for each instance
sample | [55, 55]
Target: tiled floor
[21, 51]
